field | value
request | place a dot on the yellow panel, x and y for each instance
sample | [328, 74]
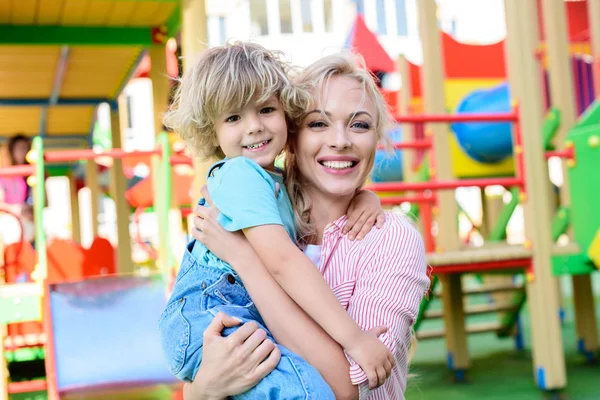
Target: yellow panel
[97, 71]
[120, 14]
[73, 12]
[594, 250]
[457, 89]
[5, 7]
[65, 120]
[164, 12]
[23, 12]
[27, 71]
[49, 12]
[145, 13]
[462, 165]
[98, 12]
[15, 120]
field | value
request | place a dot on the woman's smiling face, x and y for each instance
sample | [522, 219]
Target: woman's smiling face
[336, 143]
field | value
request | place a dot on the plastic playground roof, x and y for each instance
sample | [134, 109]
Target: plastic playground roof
[59, 59]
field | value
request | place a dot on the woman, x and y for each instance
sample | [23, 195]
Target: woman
[15, 194]
[380, 280]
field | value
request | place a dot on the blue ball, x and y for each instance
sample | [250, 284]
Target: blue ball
[388, 165]
[489, 142]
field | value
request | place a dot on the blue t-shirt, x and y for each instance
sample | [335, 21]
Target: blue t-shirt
[244, 193]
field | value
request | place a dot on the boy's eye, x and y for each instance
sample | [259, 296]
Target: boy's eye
[267, 110]
[233, 118]
[363, 126]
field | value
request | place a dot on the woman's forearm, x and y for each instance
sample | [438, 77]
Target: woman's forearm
[293, 328]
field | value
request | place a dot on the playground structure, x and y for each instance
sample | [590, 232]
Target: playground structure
[482, 154]
[60, 62]
[91, 308]
[58, 299]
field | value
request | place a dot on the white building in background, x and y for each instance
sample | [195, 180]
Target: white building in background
[309, 29]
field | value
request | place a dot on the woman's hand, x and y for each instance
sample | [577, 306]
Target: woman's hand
[364, 212]
[234, 364]
[228, 246]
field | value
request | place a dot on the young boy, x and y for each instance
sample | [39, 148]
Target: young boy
[236, 103]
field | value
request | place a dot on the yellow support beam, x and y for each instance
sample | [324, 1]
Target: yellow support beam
[447, 233]
[117, 191]
[524, 76]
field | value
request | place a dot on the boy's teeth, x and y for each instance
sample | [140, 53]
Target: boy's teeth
[337, 164]
[257, 145]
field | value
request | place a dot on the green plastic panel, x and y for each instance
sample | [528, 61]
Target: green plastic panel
[577, 264]
[584, 178]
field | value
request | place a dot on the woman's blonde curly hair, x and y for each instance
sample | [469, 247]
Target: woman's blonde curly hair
[224, 79]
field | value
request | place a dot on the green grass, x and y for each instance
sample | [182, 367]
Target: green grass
[498, 371]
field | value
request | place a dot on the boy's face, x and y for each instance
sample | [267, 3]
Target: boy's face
[258, 131]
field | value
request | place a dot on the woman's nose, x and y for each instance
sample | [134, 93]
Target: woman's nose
[339, 138]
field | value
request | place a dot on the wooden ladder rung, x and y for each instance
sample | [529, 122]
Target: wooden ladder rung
[474, 310]
[27, 387]
[484, 289]
[472, 329]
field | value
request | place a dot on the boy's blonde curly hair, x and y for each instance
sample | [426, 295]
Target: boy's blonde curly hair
[224, 79]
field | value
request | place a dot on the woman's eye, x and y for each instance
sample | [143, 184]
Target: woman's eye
[233, 118]
[317, 124]
[267, 110]
[361, 126]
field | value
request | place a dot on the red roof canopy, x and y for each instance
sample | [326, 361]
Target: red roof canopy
[364, 42]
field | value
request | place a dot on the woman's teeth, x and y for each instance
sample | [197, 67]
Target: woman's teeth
[257, 145]
[338, 164]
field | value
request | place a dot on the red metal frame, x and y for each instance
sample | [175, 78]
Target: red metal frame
[417, 144]
[57, 156]
[17, 170]
[565, 153]
[416, 198]
[443, 185]
[524, 263]
[181, 160]
[427, 220]
[50, 360]
[447, 118]
[26, 387]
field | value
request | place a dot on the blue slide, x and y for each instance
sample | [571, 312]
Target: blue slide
[486, 142]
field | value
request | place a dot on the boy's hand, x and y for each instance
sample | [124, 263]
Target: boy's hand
[364, 212]
[375, 359]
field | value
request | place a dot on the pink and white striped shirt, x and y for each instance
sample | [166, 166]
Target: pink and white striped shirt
[380, 280]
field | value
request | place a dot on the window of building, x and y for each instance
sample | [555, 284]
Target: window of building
[306, 13]
[328, 12]
[285, 12]
[258, 17]
[401, 23]
[381, 21]
[360, 6]
[222, 32]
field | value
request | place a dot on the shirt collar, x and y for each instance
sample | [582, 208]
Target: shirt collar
[336, 225]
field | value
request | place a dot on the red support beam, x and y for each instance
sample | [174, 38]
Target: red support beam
[467, 117]
[442, 185]
[17, 170]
